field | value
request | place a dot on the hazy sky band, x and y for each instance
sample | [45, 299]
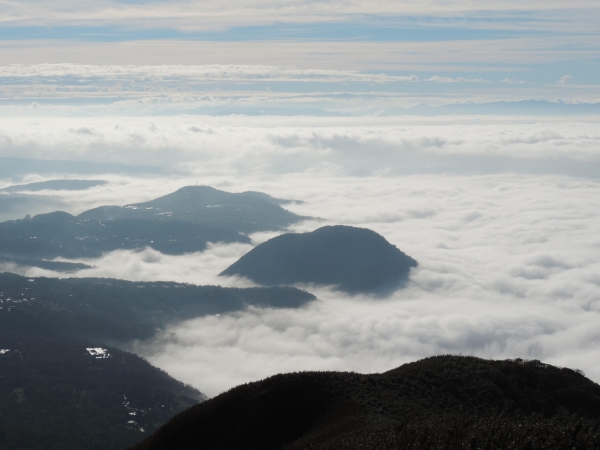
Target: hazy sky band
[517, 46]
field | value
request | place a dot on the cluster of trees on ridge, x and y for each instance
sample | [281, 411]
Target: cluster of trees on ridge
[438, 403]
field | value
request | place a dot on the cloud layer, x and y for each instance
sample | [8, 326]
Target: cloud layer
[259, 89]
[507, 253]
[358, 146]
[507, 268]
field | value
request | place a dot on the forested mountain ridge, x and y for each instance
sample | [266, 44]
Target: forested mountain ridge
[60, 234]
[119, 311]
[443, 402]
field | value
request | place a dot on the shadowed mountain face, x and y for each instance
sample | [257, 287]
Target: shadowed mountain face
[474, 403]
[56, 185]
[120, 311]
[244, 213]
[59, 234]
[357, 260]
[57, 395]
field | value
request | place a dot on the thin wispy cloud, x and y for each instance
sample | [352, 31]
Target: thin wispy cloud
[438, 79]
[238, 145]
[512, 81]
[207, 15]
[565, 79]
[75, 73]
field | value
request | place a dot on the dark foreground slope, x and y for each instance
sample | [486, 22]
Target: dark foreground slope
[444, 402]
[56, 395]
[355, 259]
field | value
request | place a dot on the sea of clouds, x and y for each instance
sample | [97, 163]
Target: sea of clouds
[501, 214]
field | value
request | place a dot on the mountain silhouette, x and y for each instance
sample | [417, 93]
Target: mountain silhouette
[182, 222]
[245, 212]
[443, 402]
[356, 260]
[55, 185]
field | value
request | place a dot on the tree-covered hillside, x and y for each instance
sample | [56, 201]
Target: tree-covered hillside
[443, 402]
[60, 234]
[58, 395]
[119, 311]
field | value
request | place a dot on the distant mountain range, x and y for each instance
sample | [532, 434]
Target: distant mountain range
[245, 212]
[55, 185]
[182, 222]
[355, 260]
[443, 402]
[60, 234]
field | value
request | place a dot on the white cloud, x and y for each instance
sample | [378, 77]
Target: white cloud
[439, 79]
[241, 145]
[565, 79]
[473, 56]
[77, 73]
[508, 263]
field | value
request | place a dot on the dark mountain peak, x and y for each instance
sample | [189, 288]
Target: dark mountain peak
[446, 399]
[354, 259]
[245, 213]
[200, 192]
[53, 217]
[194, 196]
